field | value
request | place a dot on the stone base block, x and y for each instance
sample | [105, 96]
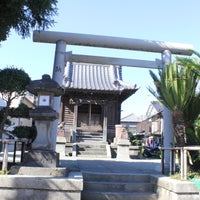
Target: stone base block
[41, 158]
[41, 187]
[123, 142]
[135, 152]
[39, 171]
[123, 149]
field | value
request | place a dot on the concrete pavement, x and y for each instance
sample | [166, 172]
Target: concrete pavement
[139, 166]
[104, 165]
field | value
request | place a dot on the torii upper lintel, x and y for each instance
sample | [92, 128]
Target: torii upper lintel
[112, 42]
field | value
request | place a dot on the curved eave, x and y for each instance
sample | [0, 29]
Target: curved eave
[123, 94]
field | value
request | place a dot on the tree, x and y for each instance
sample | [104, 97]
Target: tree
[197, 129]
[192, 63]
[192, 111]
[175, 87]
[192, 115]
[27, 132]
[13, 84]
[21, 111]
[25, 15]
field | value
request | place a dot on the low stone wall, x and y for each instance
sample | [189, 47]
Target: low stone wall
[135, 152]
[60, 145]
[41, 187]
[172, 189]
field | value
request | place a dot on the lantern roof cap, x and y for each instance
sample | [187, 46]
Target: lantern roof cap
[45, 86]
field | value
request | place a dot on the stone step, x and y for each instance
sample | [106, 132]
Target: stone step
[90, 137]
[117, 196]
[117, 177]
[91, 150]
[116, 186]
[92, 154]
[91, 146]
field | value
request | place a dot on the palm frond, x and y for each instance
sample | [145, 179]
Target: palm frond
[175, 86]
[192, 110]
[192, 63]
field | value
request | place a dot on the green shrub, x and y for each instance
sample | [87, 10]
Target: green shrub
[134, 140]
[25, 132]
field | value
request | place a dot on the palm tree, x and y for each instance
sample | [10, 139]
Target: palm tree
[175, 87]
[192, 111]
[192, 63]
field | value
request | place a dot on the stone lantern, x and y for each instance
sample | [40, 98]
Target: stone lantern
[42, 148]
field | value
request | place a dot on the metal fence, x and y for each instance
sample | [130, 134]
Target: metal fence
[5, 144]
[183, 161]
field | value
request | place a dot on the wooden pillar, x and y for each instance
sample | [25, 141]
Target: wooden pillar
[75, 123]
[61, 113]
[75, 117]
[105, 119]
[90, 114]
[118, 112]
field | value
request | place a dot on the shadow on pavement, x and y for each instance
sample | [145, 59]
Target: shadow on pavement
[113, 165]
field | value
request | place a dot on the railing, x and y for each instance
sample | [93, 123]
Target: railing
[183, 159]
[5, 152]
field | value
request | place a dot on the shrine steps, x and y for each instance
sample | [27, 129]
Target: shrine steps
[91, 145]
[100, 186]
[92, 150]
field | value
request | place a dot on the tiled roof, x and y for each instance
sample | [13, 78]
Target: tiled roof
[95, 77]
[132, 118]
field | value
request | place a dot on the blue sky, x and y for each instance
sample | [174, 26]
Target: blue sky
[172, 21]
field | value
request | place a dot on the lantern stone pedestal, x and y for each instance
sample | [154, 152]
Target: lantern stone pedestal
[42, 153]
[41, 158]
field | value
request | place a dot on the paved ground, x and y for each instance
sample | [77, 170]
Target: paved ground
[10, 156]
[148, 166]
[144, 166]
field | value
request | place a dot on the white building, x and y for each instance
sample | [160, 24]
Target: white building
[152, 125]
[27, 100]
[131, 121]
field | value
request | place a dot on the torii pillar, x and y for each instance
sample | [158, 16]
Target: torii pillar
[58, 71]
[168, 136]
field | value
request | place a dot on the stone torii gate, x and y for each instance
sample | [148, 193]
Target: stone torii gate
[62, 39]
